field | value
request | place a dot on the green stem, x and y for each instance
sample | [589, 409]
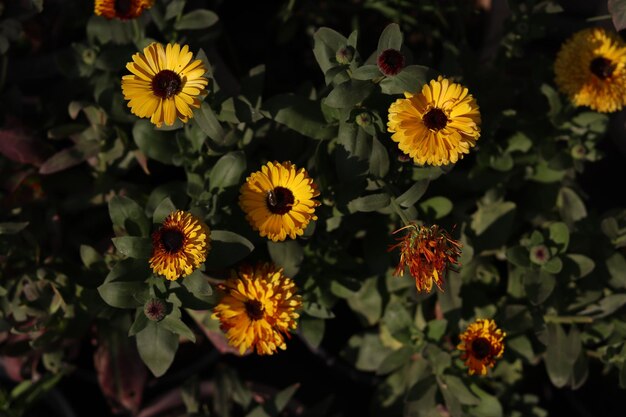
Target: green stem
[394, 204]
[567, 319]
[136, 32]
[599, 18]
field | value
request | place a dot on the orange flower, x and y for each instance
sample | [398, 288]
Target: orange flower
[121, 9]
[482, 343]
[428, 252]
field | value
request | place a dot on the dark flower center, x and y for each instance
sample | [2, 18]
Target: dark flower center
[602, 68]
[122, 7]
[154, 309]
[390, 62]
[166, 84]
[279, 200]
[435, 119]
[481, 348]
[172, 240]
[254, 309]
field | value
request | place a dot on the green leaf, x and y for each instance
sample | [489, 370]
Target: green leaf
[196, 19]
[395, 360]
[12, 228]
[617, 8]
[460, 391]
[554, 101]
[559, 234]
[369, 203]
[300, 114]
[140, 323]
[198, 284]
[487, 215]
[164, 209]
[411, 79]
[391, 38]
[174, 324]
[570, 206]
[606, 306]
[155, 144]
[489, 406]
[366, 72]
[616, 265]
[312, 330]
[368, 301]
[157, 347]
[539, 286]
[227, 170]
[287, 255]
[584, 264]
[326, 44]
[133, 247]
[561, 352]
[413, 194]
[89, 256]
[205, 118]
[379, 159]
[174, 9]
[227, 248]
[123, 294]
[553, 266]
[518, 255]
[127, 215]
[437, 207]
[349, 94]
[70, 157]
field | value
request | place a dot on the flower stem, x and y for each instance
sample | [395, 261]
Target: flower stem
[567, 319]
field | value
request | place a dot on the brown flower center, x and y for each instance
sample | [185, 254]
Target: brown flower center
[166, 84]
[481, 348]
[435, 119]
[172, 240]
[122, 7]
[602, 68]
[254, 309]
[279, 200]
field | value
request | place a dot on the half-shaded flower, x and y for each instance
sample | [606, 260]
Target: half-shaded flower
[258, 309]
[180, 245]
[482, 343]
[121, 9]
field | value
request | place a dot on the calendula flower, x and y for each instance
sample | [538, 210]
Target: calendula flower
[165, 83]
[121, 9]
[278, 200]
[180, 245]
[436, 126]
[482, 343]
[428, 252]
[590, 69]
[390, 62]
[258, 309]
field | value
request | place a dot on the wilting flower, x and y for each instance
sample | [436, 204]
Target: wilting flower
[258, 309]
[436, 126]
[428, 252]
[121, 9]
[390, 62]
[590, 69]
[278, 200]
[165, 83]
[180, 245]
[482, 343]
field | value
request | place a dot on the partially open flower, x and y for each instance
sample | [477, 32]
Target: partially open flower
[428, 252]
[180, 245]
[482, 343]
[539, 254]
[390, 62]
[258, 309]
[121, 9]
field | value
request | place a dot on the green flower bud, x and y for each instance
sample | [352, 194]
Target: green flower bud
[539, 254]
[345, 55]
[363, 119]
[155, 309]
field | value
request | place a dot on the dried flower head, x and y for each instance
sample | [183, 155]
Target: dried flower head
[428, 252]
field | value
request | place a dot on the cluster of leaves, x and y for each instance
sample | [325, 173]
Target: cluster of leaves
[538, 256]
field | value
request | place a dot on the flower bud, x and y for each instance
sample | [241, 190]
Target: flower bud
[154, 309]
[363, 119]
[390, 62]
[539, 254]
[345, 55]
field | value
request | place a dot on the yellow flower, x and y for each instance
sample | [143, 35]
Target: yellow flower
[428, 252]
[258, 309]
[121, 9]
[165, 83]
[278, 200]
[590, 69]
[482, 343]
[180, 245]
[436, 126]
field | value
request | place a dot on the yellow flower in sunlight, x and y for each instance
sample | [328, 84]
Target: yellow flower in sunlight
[165, 83]
[278, 200]
[258, 309]
[436, 126]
